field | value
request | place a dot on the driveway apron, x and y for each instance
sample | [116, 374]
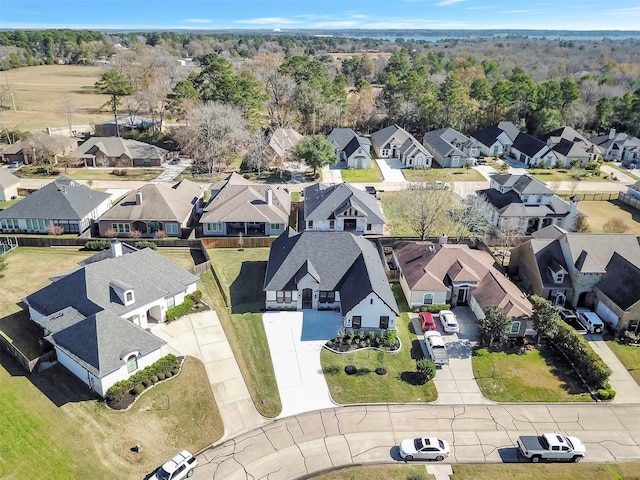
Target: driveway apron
[391, 170]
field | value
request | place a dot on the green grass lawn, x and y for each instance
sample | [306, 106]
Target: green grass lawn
[530, 377]
[564, 175]
[241, 274]
[599, 212]
[442, 174]
[629, 356]
[8, 203]
[53, 428]
[139, 174]
[398, 385]
[556, 471]
[362, 175]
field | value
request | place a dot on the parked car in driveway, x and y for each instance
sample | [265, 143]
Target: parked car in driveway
[426, 321]
[436, 348]
[424, 448]
[572, 320]
[449, 321]
[590, 320]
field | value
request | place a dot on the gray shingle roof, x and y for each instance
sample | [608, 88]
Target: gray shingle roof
[101, 341]
[528, 144]
[116, 147]
[160, 201]
[621, 281]
[440, 142]
[340, 260]
[62, 199]
[487, 136]
[323, 202]
[8, 179]
[341, 137]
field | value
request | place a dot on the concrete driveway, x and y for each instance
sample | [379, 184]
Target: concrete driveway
[391, 170]
[295, 341]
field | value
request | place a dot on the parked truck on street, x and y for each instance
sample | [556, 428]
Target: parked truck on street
[551, 446]
[436, 347]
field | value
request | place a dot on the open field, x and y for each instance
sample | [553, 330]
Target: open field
[443, 174]
[241, 274]
[40, 95]
[598, 212]
[629, 356]
[530, 377]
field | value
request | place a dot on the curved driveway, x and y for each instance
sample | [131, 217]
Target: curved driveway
[300, 446]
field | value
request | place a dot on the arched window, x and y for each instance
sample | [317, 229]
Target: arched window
[428, 299]
[132, 363]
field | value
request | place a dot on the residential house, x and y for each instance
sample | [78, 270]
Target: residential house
[450, 148]
[341, 207]
[282, 142]
[496, 140]
[95, 317]
[63, 202]
[39, 144]
[569, 146]
[332, 271]
[525, 204]
[395, 142]
[126, 124]
[350, 148]
[596, 270]
[8, 185]
[442, 273]
[240, 207]
[154, 208]
[118, 152]
[618, 147]
[532, 151]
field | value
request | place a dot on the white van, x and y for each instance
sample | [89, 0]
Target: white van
[590, 320]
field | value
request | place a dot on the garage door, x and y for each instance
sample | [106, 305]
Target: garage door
[607, 315]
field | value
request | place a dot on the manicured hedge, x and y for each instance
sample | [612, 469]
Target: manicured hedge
[147, 376]
[146, 244]
[179, 310]
[433, 308]
[97, 245]
[586, 362]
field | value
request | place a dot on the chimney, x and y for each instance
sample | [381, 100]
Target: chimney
[443, 239]
[116, 249]
[268, 196]
[612, 134]
[138, 197]
[63, 189]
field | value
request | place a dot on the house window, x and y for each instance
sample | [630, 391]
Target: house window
[275, 226]
[356, 321]
[539, 199]
[128, 297]
[280, 297]
[368, 227]
[215, 227]
[525, 198]
[132, 364]
[121, 227]
[287, 296]
[9, 223]
[515, 327]
[332, 224]
[455, 161]
[558, 277]
[283, 296]
[310, 224]
[171, 302]
[384, 322]
[36, 224]
[327, 297]
[428, 299]
[171, 228]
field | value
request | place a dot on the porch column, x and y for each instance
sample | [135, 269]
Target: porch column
[245, 229]
[539, 224]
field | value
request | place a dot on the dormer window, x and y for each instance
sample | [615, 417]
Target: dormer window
[128, 297]
[558, 277]
[123, 291]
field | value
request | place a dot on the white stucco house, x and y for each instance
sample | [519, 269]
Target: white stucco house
[395, 142]
[9, 184]
[496, 140]
[95, 317]
[330, 271]
[351, 148]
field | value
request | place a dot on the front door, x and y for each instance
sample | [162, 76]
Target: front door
[307, 298]
[462, 296]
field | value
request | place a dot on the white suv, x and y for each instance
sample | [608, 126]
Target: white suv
[590, 320]
[179, 467]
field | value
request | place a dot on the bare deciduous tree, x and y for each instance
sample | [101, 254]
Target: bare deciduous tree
[421, 208]
[256, 157]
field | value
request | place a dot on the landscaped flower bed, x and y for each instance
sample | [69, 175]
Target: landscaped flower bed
[349, 342]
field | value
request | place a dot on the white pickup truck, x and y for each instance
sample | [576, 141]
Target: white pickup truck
[436, 348]
[179, 467]
[551, 446]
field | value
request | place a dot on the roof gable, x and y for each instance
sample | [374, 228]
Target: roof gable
[322, 202]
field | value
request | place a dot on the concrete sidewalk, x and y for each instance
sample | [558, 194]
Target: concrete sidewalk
[627, 390]
[201, 335]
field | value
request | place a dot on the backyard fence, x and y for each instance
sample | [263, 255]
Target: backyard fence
[595, 196]
[29, 365]
[629, 200]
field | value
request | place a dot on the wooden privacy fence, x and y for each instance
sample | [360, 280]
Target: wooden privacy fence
[629, 200]
[235, 242]
[28, 365]
[594, 196]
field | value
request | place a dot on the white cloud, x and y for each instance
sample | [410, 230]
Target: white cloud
[527, 12]
[445, 3]
[625, 12]
[267, 21]
[197, 20]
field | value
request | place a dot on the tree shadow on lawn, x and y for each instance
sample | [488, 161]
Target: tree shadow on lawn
[246, 289]
[561, 368]
[56, 382]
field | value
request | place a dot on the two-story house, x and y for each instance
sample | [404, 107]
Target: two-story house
[350, 148]
[496, 140]
[618, 147]
[570, 146]
[523, 203]
[395, 142]
[450, 148]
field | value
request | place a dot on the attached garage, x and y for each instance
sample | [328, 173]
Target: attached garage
[607, 315]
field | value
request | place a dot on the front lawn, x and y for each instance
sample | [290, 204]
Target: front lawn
[535, 376]
[54, 428]
[547, 472]
[362, 175]
[398, 385]
[565, 175]
[430, 175]
[377, 472]
[241, 274]
[138, 174]
[629, 356]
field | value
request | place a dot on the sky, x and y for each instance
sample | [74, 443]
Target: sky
[321, 14]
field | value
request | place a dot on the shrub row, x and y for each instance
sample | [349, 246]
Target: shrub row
[182, 309]
[433, 308]
[166, 367]
[97, 245]
[586, 362]
[146, 244]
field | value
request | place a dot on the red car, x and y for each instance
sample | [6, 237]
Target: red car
[426, 321]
